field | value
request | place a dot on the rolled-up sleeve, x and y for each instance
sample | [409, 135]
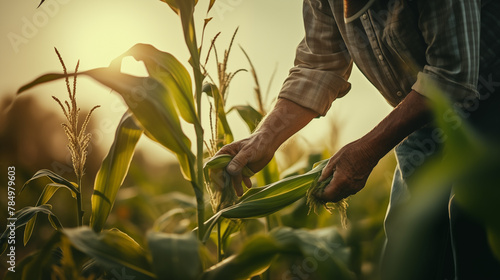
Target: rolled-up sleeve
[451, 30]
[322, 62]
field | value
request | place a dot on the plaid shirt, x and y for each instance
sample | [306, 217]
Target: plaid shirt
[399, 45]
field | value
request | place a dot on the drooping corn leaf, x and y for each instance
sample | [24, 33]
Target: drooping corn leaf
[165, 68]
[113, 170]
[55, 178]
[144, 97]
[175, 256]
[324, 248]
[24, 215]
[111, 249]
[47, 193]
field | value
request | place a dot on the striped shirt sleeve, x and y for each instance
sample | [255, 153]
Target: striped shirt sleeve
[322, 63]
[451, 30]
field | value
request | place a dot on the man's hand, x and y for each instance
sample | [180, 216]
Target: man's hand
[350, 167]
[255, 152]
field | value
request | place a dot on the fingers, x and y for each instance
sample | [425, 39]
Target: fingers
[247, 182]
[336, 190]
[235, 168]
[236, 165]
[341, 186]
[237, 179]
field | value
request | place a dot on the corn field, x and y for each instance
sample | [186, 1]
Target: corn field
[276, 230]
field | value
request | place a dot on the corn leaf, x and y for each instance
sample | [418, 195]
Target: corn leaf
[111, 249]
[144, 97]
[254, 258]
[174, 6]
[165, 68]
[174, 221]
[55, 178]
[113, 170]
[24, 215]
[251, 116]
[325, 248]
[175, 256]
[160, 121]
[185, 9]
[47, 193]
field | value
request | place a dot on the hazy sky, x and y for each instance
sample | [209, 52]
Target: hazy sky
[96, 31]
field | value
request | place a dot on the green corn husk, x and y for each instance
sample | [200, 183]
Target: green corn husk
[262, 201]
[218, 182]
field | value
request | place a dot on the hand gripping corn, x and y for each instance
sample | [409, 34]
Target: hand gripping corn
[262, 201]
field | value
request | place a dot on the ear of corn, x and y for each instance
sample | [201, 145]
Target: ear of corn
[218, 182]
[262, 201]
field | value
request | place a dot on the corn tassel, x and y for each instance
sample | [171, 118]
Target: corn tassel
[262, 201]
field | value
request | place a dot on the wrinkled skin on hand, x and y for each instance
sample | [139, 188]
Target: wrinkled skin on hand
[350, 167]
[255, 152]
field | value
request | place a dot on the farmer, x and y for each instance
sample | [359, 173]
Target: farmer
[405, 49]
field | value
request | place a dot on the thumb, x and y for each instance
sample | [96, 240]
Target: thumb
[237, 163]
[327, 171]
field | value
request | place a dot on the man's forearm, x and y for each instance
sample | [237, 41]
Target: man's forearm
[286, 118]
[411, 114]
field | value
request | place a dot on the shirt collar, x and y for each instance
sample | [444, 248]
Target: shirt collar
[353, 9]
